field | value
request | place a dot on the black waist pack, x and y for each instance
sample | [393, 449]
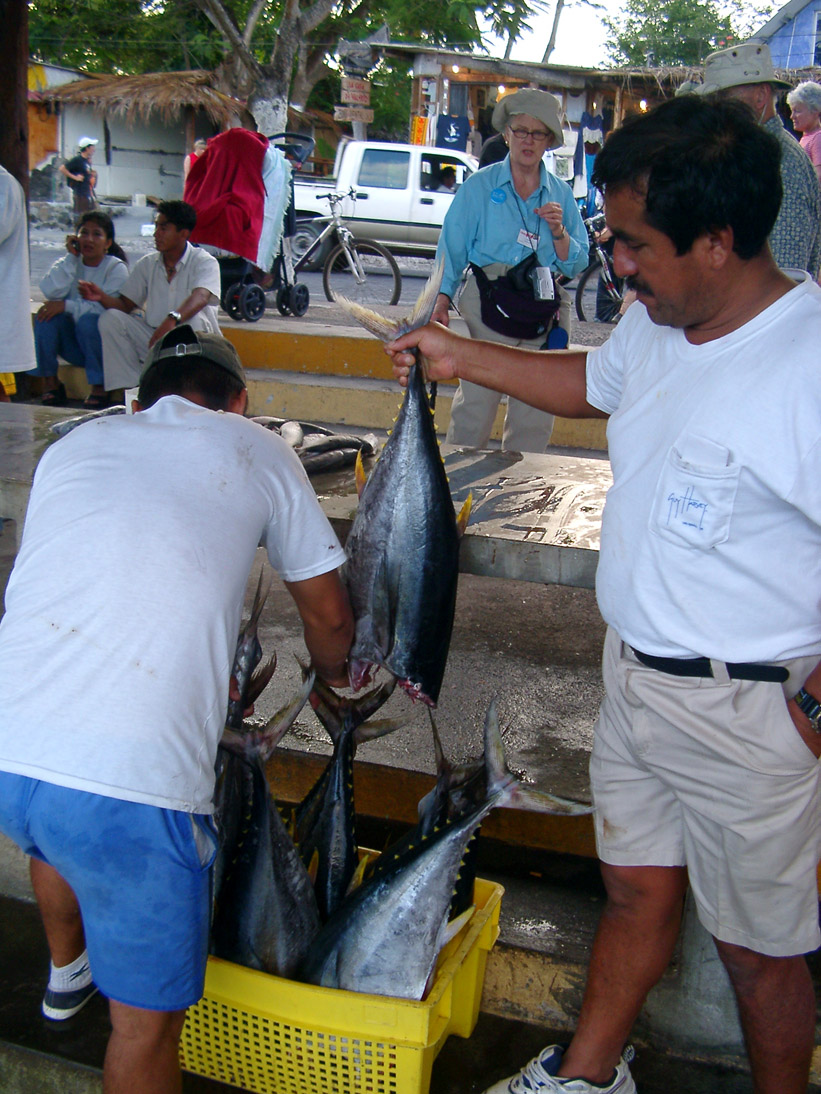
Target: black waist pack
[508, 305]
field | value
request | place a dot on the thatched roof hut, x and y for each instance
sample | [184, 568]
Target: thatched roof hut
[165, 94]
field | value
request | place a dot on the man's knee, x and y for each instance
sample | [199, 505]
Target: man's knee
[747, 968]
[639, 889]
[138, 1025]
[112, 321]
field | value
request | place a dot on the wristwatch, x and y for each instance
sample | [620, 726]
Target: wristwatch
[810, 706]
[561, 234]
[175, 315]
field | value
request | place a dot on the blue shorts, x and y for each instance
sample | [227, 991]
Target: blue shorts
[142, 878]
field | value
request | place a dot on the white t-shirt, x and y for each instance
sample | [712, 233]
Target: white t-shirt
[124, 605]
[711, 535]
[62, 282]
[149, 288]
[16, 332]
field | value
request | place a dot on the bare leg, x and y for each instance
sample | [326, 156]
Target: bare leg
[776, 1003]
[633, 946]
[143, 1051]
[60, 913]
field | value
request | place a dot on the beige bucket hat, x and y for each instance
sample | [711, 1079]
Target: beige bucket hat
[538, 104]
[747, 63]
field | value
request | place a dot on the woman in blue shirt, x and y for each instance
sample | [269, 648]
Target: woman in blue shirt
[499, 216]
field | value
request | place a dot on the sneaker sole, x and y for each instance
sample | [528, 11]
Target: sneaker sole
[59, 1014]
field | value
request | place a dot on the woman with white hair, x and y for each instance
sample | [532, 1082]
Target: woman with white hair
[511, 228]
[805, 106]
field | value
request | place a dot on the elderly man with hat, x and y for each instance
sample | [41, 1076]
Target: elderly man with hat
[746, 72]
[81, 176]
[115, 656]
[510, 229]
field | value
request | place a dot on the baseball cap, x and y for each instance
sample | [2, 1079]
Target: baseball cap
[84, 142]
[184, 342]
[746, 63]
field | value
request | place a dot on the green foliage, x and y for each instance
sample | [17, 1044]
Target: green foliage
[123, 36]
[667, 32]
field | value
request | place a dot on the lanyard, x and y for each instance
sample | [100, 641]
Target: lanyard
[524, 223]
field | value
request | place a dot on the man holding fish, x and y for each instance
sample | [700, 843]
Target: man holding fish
[121, 623]
[704, 767]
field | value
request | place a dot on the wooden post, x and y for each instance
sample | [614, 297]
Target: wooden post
[14, 90]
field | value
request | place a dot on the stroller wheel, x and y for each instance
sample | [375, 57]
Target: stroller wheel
[251, 302]
[230, 299]
[283, 300]
[300, 298]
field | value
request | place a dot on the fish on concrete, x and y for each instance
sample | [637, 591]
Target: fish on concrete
[403, 547]
[386, 937]
[320, 449]
[60, 429]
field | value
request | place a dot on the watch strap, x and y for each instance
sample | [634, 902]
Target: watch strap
[810, 706]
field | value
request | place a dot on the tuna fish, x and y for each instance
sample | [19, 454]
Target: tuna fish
[265, 912]
[403, 547]
[325, 822]
[386, 937]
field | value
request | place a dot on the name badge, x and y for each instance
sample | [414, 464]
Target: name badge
[527, 239]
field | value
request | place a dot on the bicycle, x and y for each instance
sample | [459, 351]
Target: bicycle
[360, 269]
[609, 286]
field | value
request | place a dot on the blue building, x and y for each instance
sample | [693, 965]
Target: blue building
[794, 34]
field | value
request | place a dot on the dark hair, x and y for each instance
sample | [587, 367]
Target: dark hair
[701, 164]
[179, 213]
[213, 385]
[107, 225]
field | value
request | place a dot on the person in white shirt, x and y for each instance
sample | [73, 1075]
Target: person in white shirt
[704, 767]
[116, 649]
[66, 325]
[16, 336]
[178, 284]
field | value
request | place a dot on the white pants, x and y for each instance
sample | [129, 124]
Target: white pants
[125, 340]
[474, 408]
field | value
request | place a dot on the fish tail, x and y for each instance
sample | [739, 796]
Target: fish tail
[464, 514]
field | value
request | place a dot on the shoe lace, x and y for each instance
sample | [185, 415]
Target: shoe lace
[533, 1077]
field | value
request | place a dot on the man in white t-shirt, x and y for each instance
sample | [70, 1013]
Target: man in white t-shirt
[116, 649]
[16, 334]
[179, 284]
[704, 763]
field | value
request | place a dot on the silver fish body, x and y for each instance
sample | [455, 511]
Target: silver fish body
[403, 557]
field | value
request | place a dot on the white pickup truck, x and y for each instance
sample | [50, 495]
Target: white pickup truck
[401, 194]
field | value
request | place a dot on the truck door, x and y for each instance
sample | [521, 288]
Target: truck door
[383, 195]
[440, 176]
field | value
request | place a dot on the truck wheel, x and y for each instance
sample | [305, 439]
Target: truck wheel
[381, 282]
[306, 232]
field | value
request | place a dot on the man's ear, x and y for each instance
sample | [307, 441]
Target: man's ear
[718, 247]
[238, 404]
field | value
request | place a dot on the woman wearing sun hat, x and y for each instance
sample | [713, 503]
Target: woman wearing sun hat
[503, 214]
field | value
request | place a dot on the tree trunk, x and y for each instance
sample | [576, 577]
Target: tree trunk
[551, 42]
[14, 147]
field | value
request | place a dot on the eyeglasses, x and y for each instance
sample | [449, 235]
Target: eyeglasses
[535, 134]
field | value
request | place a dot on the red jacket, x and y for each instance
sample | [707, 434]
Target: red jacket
[225, 187]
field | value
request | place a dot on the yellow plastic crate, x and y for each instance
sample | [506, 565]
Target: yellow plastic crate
[273, 1036]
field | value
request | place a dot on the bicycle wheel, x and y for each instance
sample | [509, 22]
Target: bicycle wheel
[381, 282]
[594, 301]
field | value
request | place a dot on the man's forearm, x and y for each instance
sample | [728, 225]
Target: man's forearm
[551, 381]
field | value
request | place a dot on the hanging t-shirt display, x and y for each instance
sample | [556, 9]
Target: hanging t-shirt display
[452, 131]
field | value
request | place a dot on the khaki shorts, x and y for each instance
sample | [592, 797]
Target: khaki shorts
[713, 776]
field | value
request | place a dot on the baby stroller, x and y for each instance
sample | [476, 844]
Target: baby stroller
[242, 189]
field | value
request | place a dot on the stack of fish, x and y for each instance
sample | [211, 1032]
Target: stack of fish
[382, 923]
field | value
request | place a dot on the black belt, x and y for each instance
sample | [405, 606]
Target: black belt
[701, 666]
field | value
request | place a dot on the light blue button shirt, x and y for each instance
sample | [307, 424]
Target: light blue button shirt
[487, 215]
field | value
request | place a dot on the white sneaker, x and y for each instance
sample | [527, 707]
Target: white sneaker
[540, 1076]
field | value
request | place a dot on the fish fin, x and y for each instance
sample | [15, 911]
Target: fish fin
[542, 801]
[260, 679]
[359, 873]
[260, 596]
[464, 515]
[379, 727]
[454, 926]
[385, 329]
[276, 727]
[360, 476]
[313, 866]
[426, 301]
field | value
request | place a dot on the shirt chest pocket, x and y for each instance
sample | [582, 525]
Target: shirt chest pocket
[695, 494]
